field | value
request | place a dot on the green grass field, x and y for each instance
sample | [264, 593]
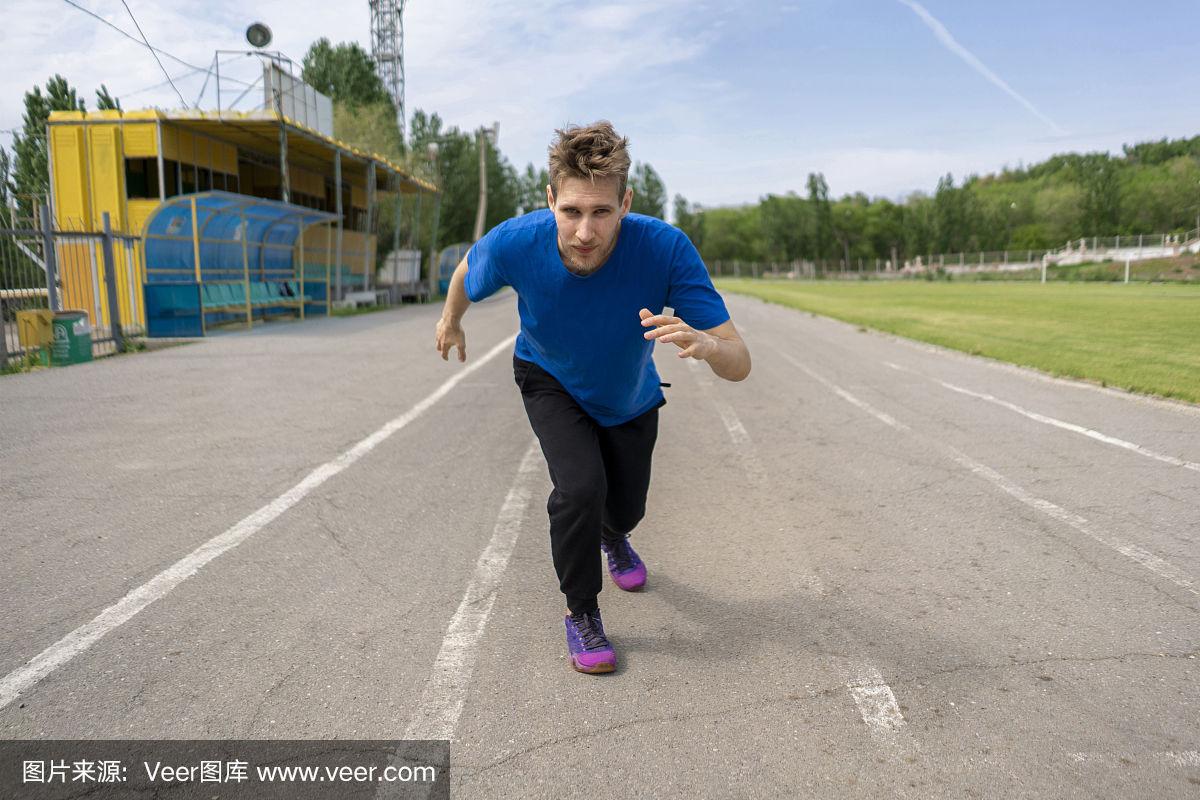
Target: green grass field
[1144, 338]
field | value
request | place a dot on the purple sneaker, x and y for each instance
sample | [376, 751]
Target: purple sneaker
[589, 648]
[627, 570]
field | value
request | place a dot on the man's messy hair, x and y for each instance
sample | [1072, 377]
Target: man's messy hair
[589, 152]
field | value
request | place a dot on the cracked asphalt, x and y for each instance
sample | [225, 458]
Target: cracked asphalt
[1015, 655]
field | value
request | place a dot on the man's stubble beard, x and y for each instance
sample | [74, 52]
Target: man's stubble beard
[576, 267]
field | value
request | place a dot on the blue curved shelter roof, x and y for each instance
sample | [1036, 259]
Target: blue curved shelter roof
[224, 220]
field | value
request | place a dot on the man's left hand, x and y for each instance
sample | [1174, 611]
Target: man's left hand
[693, 343]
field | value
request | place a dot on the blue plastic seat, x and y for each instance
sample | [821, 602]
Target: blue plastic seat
[235, 294]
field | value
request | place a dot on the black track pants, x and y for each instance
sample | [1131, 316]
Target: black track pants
[600, 476]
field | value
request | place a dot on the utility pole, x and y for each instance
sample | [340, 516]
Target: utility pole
[492, 133]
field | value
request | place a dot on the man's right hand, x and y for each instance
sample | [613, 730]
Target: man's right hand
[450, 334]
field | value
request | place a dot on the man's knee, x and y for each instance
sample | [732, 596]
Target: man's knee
[579, 494]
[623, 520]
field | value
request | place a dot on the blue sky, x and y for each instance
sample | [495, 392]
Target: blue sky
[727, 101]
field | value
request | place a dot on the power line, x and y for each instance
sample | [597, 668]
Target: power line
[160, 84]
[243, 94]
[183, 75]
[141, 43]
[129, 36]
[156, 58]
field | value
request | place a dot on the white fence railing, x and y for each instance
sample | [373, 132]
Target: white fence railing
[1137, 247]
[1078, 251]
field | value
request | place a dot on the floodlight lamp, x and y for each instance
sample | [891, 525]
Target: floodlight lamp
[258, 35]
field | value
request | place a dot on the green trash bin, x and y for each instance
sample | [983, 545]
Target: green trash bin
[72, 343]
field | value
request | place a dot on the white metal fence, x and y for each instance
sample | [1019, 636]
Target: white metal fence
[1078, 251]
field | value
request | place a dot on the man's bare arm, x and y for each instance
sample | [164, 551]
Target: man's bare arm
[731, 359]
[456, 297]
[449, 327]
[722, 347]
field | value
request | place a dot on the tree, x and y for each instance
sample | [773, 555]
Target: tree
[732, 233]
[918, 229]
[1162, 151]
[1058, 206]
[532, 189]
[344, 72]
[105, 101]
[949, 216]
[30, 181]
[649, 193]
[690, 220]
[371, 127]
[455, 168]
[822, 216]
[885, 226]
[1154, 187]
[850, 217]
[1031, 237]
[1101, 194]
[363, 113]
[785, 224]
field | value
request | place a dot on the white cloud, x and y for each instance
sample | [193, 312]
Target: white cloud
[473, 62]
[476, 62]
[534, 65]
[41, 38]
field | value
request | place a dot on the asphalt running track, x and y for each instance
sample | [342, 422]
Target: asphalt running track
[877, 569]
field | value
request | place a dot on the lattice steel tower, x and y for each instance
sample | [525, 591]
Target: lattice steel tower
[387, 48]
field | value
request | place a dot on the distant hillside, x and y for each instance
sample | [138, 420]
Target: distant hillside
[1152, 187]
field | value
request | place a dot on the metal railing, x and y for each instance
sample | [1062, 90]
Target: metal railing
[801, 268]
[1135, 247]
[56, 270]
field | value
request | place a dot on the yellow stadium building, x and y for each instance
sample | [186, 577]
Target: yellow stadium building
[134, 164]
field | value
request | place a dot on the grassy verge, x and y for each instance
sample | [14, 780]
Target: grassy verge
[1144, 338]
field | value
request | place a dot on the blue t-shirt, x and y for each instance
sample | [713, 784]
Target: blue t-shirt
[585, 330]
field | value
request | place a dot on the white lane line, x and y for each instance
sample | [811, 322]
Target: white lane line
[83, 637]
[1187, 758]
[883, 417]
[1058, 423]
[733, 424]
[1150, 561]
[875, 702]
[737, 431]
[1181, 758]
[445, 691]
[1033, 373]
[1070, 426]
[1131, 551]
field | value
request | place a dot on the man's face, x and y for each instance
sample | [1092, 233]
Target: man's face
[588, 216]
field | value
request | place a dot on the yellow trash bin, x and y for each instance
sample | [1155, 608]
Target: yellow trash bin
[35, 327]
[35, 331]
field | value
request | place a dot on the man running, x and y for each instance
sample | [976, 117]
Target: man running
[591, 280]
